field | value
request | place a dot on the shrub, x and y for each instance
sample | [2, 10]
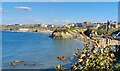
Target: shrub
[94, 58]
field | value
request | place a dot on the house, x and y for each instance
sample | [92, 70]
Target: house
[51, 25]
[18, 24]
[9, 24]
[92, 25]
[87, 22]
[36, 25]
[113, 26]
[23, 29]
[43, 25]
[78, 25]
[71, 24]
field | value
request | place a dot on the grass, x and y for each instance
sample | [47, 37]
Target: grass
[104, 31]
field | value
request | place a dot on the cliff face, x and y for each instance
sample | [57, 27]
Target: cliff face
[68, 33]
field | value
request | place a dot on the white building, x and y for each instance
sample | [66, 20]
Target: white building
[44, 25]
[24, 30]
[52, 25]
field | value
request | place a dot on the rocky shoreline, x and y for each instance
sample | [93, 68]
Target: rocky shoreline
[68, 33]
[42, 31]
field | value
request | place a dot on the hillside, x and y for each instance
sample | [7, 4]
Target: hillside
[68, 33]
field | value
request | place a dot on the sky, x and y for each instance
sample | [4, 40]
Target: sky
[58, 12]
[60, 0]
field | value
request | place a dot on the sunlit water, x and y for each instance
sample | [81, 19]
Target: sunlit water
[35, 47]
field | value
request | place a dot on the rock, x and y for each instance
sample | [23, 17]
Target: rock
[67, 33]
[60, 68]
[63, 57]
[90, 33]
[14, 63]
[30, 64]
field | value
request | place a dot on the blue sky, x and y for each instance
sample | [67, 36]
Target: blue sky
[60, 0]
[58, 12]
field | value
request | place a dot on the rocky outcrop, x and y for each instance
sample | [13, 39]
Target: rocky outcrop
[90, 33]
[68, 33]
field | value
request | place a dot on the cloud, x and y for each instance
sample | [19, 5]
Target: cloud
[67, 21]
[23, 8]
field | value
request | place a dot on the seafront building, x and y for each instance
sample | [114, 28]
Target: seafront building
[34, 27]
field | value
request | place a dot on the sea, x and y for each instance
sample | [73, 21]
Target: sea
[37, 50]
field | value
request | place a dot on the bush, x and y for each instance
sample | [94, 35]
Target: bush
[94, 58]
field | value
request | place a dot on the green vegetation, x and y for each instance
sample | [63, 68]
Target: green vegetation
[117, 67]
[90, 33]
[67, 32]
[101, 31]
[61, 30]
[104, 31]
[94, 58]
[66, 29]
[72, 28]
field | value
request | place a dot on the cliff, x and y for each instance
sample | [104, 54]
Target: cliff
[68, 33]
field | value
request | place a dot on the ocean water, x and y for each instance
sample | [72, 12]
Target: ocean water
[36, 48]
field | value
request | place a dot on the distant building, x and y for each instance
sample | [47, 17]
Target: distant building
[113, 26]
[36, 25]
[71, 24]
[24, 29]
[118, 25]
[18, 24]
[43, 25]
[9, 24]
[98, 25]
[87, 22]
[78, 25]
[92, 25]
[51, 25]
